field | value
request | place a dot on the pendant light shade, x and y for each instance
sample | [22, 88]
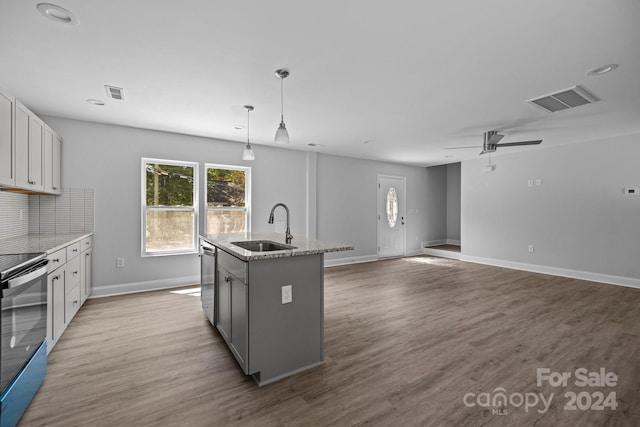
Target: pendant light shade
[248, 153]
[282, 136]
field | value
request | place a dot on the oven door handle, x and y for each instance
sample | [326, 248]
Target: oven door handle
[23, 280]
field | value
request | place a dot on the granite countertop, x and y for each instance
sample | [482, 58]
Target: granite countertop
[303, 246]
[48, 243]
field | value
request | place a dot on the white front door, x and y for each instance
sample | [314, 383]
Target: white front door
[391, 216]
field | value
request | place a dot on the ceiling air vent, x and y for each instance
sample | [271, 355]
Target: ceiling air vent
[564, 99]
[116, 93]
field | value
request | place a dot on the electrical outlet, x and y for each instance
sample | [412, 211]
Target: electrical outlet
[530, 183]
[119, 262]
[531, 248]
[287, 294]
[538, 182]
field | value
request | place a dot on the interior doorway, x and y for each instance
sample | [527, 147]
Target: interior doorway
[391, 216]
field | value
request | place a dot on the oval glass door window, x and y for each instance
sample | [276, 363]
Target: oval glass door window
[392, 207]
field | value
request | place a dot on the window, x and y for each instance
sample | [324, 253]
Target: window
[169, 207]
[228, 197]
[392, 207]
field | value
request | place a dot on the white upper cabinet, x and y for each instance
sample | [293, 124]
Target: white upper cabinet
[51, 161]
[29, 142]
[29, 150]
[7, 146]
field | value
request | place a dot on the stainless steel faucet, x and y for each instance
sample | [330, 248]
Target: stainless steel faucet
[287, 234]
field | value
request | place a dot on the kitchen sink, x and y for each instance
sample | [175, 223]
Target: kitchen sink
[262, 246]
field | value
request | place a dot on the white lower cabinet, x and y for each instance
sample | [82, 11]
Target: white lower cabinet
[68, 286]
[55, 306]
[85, 268]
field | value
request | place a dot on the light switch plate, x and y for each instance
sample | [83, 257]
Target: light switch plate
[287, 294]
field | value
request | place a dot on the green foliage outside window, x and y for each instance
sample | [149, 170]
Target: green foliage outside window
[225, 187]
[169, 185]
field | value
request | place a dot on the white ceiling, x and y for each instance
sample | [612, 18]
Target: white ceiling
[409, 77]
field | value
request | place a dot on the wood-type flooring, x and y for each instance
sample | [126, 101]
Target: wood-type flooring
[418, 341]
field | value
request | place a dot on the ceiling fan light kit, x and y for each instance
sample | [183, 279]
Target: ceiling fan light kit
[282, 135]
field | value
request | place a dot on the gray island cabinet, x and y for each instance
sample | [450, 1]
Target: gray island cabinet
[270, 304]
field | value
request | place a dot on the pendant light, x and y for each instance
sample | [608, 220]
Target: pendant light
[248, 153]
[282, 136]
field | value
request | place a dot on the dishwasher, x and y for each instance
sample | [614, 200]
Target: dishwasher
[208, 279]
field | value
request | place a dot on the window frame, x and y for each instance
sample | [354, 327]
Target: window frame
[247, 194]
[144, 208]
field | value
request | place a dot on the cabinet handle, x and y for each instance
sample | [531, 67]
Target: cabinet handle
[31, 182]
[75, 302]
[57, 277]
[75, 250]
[75, 272]
[56, 260]
[227, 279]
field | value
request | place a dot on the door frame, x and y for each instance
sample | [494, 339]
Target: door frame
[403, 203]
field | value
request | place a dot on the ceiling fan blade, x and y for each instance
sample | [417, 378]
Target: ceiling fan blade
[494, 138]
[513, 144]
[459, 148]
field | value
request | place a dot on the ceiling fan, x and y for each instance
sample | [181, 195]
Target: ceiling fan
[491, 143]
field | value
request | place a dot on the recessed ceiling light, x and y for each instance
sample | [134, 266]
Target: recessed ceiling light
[57, 14]
[95, 102]
[601, 70]
[448, 155]
[238, 127]
[311, 144]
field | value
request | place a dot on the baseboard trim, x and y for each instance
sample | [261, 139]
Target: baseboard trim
[453, 242]
[441, 253]
[555, 271]
[438, 242]
[351, 260]
[146, 286]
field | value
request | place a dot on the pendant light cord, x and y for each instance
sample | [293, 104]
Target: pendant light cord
[282, 99]
[248, 111]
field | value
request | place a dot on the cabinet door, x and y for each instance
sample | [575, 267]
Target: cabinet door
[51, 161]
[239, 323]
[72, 302]
[224, 303]
[7, 147]
[85, 276]
[58, 304]
[28, 141]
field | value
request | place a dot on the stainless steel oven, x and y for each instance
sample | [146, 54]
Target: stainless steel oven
[24, 329]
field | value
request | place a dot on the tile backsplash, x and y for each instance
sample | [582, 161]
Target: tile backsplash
[70, 212]
[14, 214]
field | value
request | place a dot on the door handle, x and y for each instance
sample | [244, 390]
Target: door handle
[402, 220]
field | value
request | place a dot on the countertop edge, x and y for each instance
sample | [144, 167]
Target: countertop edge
[246, 255]
[47, 243]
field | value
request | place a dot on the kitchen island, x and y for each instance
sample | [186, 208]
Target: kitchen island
[269, 301]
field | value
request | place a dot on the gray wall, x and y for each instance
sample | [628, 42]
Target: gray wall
[107, 159]
[347, 203]
[436, 191]
[578, 218]
[443, 190]
[453, 202]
